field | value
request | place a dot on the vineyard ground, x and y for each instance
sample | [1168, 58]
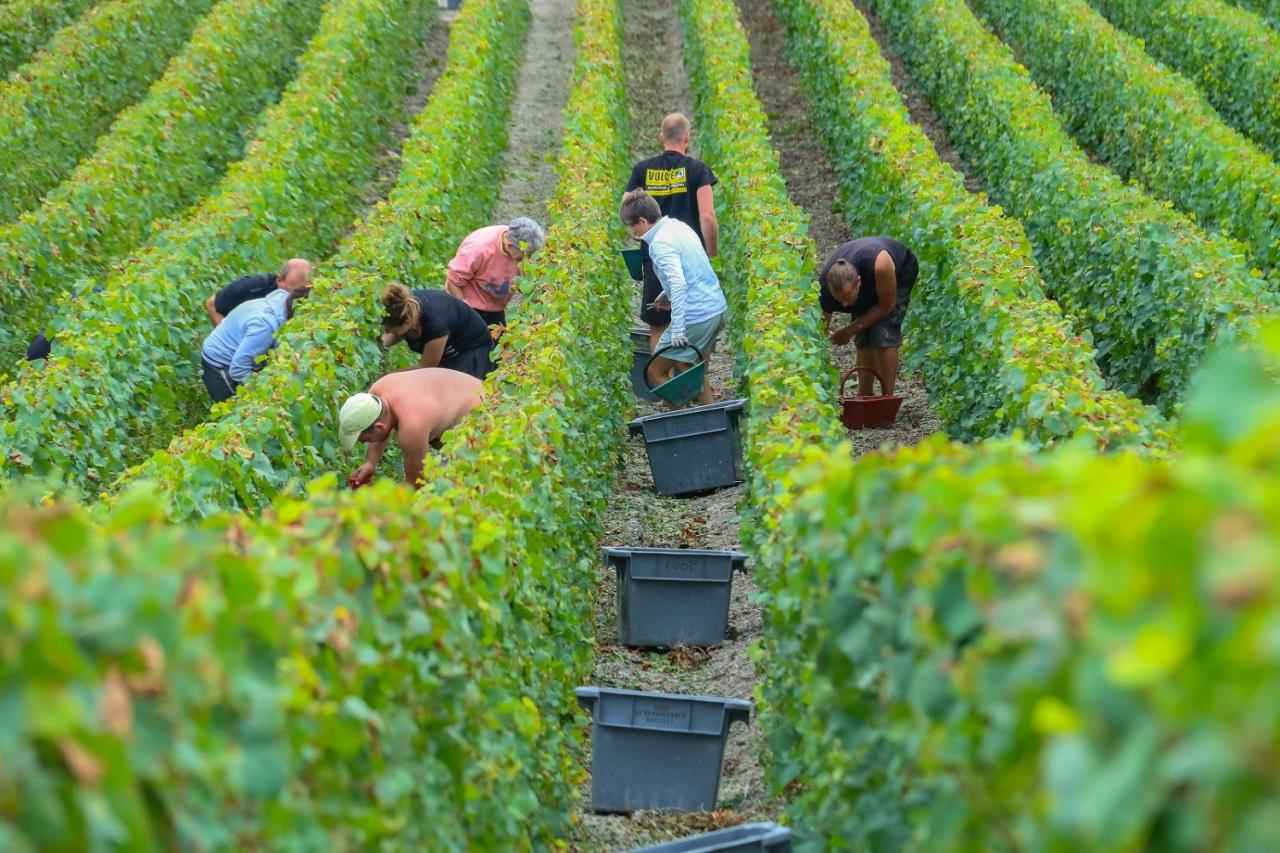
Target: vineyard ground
[812, 184]
[542, 89]
[635, 516]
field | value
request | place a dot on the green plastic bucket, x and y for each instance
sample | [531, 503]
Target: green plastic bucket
[632, 257]
[683, 387]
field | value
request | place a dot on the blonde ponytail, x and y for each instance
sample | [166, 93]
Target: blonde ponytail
[402, 307]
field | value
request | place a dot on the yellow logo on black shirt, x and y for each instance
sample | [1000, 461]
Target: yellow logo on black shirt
[661, 182]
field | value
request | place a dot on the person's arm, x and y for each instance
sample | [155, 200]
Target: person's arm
[636, 181]
[363, 475]
[707, 219]
[210, 305]
[461, 272]
[886, 298]
[433, 352]
[256, 340]
[666, 265]
[413, 449]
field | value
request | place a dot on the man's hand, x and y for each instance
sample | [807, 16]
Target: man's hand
[362, 476]
[662, 303]
[680, 339]
[840, 337]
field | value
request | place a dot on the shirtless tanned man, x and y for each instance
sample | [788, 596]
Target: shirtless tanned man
[419, 406]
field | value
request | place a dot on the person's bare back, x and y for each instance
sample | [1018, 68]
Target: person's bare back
[427, 402]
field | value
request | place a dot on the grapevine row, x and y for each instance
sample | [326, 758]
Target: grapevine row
[1002, 650]
[996, 354]
[1269, 9]
[330, 676]
[1148, 123]
[279, 427]
[26, 25]
[780, 353]
[1152, 289]
[1233, 56]
[48, 119]
[158, 157]
[126, 380]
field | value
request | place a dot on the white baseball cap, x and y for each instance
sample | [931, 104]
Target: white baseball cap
[357, 415]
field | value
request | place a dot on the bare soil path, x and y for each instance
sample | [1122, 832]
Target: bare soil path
[637, 517]
[813, 184]
[537, 113]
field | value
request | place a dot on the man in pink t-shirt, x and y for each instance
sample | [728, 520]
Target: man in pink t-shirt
[483, 271]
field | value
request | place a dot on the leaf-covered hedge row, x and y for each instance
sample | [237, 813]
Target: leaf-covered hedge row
[124, 378]
[159, 156]
[1269, 9]
[1233, 56]
[27, 25]
[981, 648]
[279, 426]
[53, 109]
[1151, 287]
[356, 669]
[996, 354]
[1146, 122]
[343, 674]
[780, 353]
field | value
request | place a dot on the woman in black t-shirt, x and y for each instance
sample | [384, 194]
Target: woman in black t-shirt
[445, 330]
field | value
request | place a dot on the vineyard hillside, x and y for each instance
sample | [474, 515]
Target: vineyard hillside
[591, 425]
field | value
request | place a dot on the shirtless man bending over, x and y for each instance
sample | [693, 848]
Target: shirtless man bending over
[418, 405]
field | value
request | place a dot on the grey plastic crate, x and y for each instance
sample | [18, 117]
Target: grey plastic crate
[671, 596]
[657, 750]
[747, 838]
[693, 450]
[640, 358]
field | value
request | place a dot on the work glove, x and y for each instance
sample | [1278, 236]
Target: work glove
[679, 339]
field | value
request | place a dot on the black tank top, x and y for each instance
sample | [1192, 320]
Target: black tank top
[862, 253]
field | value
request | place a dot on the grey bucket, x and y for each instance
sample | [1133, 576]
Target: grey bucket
[639, 358]
[693, 450]
[747, 838]
[673, 596]
[657, 750]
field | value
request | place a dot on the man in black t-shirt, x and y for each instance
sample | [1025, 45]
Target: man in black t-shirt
[443, 329]
[294, 276]
[682, 187]
[871, 280]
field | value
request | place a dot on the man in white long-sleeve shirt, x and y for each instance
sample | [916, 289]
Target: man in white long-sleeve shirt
[698, 307]
[230, 353]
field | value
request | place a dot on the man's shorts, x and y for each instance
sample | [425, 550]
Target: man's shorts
[702, 335]
[887, 331]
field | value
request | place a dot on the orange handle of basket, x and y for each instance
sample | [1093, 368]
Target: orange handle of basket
[851, 372]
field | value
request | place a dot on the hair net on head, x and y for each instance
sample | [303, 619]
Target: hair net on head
[527, 234]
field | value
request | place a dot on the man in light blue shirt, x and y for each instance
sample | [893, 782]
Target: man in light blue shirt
[689, 284]
[231, 351]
